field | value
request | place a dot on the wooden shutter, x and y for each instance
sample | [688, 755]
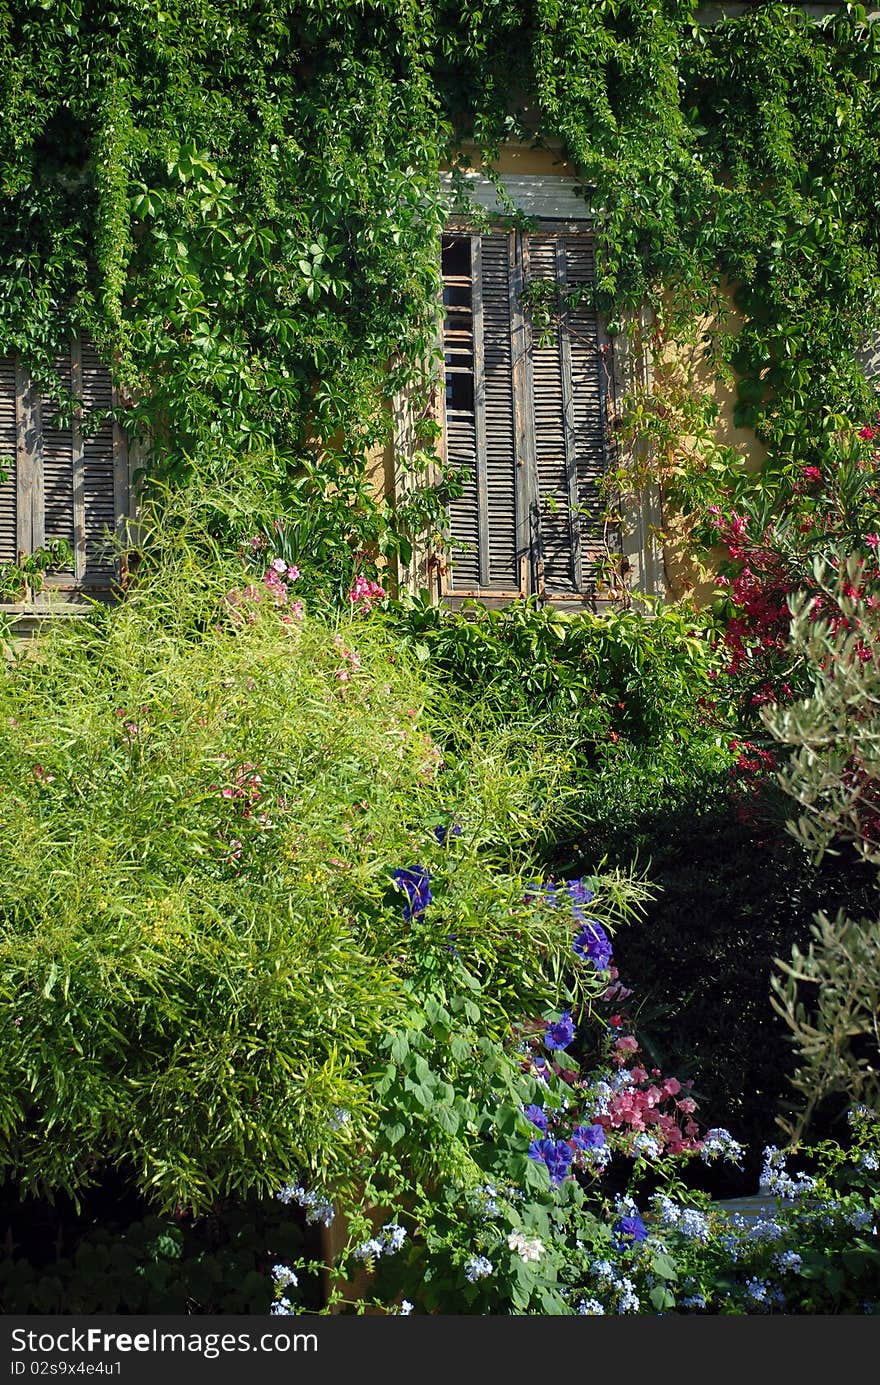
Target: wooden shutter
[589, 411]
[105, 497]
[525, 417]
[569, 420]
[67, 466]
[58, 463]
[501, 568]
[8, 450]
[479, 415]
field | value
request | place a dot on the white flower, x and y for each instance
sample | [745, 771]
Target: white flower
[369, 1250]
[526, 1249]
[284, 1276]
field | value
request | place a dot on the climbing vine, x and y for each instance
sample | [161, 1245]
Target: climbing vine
[240, 202]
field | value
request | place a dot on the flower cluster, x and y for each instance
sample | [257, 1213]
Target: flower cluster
[776, 1180]
[276, 584]
[415, 882]
[351, 660]
[317, 1209]
[591, 943]
[477, 1267]
[527, 1248]
[388, 1242]
[364, 594]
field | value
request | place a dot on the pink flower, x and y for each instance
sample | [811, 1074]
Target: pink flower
[811, 473]
[868, 434]
[364, 594]
[279, 565]
[872, 540]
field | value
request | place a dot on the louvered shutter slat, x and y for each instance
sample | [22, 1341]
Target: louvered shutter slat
[588, 408]
[8, 444]
[552, 450]
[98, 469]
[463, 513]
[58, 460]
[500, 464]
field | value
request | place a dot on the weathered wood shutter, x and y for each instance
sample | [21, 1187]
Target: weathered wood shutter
[8, 453]
[67, 468]
[480, 443]
[569, 419]
[524, 418]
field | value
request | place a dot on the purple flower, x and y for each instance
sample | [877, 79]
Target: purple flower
[557, 1156]
[441, 832]
[537, 1116]
[414, 881]
[593, 945]
[629, 1230]
[560, 1034]
[588, 1137]
[578, 892]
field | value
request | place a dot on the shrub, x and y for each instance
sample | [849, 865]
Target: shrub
[208, 799]
[829, 998]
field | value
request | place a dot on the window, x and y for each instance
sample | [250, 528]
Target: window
[525, 416]
[65, 464]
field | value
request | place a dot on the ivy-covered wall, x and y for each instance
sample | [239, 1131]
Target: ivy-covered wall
[239, 201]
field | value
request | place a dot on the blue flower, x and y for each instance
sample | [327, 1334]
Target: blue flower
[588, 1137]
[414, 881]
[393, 1237]
[694, 1224]
[557, 1156]
[593, 945]
[590, 1307]
[628, 1230]
[478, 1267]
[537, 1116]
[720, 1144]
[441, 832]
[578, 892]
[560, 1034]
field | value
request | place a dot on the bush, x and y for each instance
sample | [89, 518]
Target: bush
[829, 998]
[211, 803]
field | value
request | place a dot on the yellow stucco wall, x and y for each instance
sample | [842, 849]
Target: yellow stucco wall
[689, 362]
[524, 159]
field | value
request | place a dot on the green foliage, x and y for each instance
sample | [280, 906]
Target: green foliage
[634, 702]
[452, 1155]
[213, 1264]
[833, 773]
[829, 996]
[830, 1001]
[19, 580]
[204, 798]
[241, 203]
[636, 676]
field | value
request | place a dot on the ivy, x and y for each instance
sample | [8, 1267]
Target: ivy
[240, 202]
